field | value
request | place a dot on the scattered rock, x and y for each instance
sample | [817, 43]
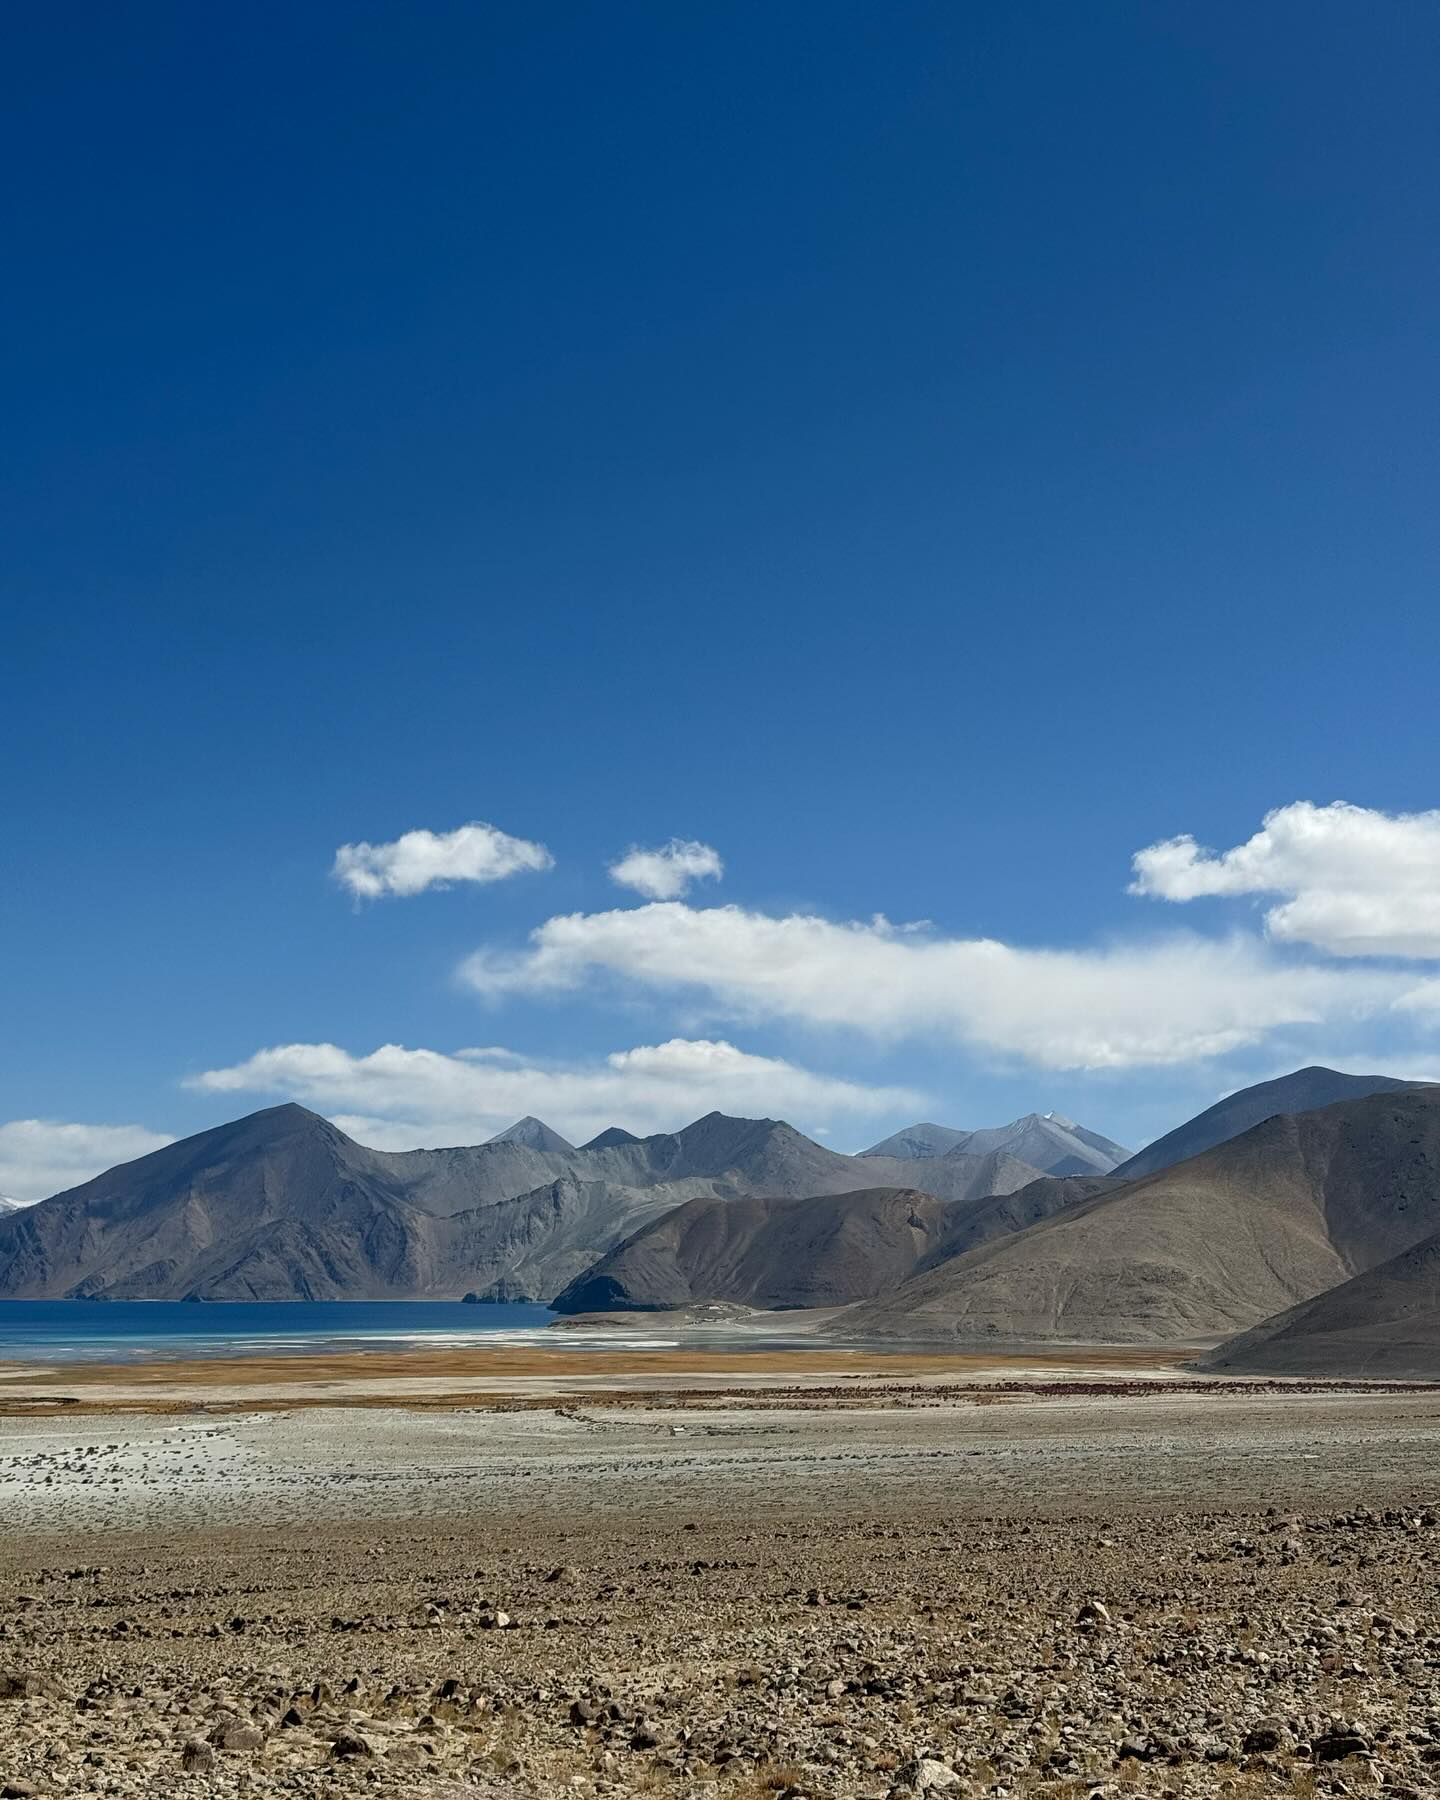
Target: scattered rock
[927, 1775]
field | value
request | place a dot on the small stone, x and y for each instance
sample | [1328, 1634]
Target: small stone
[196, 1756]
[17, 1686]
[926, 1775]
[237, 1735]
[1335, 1746]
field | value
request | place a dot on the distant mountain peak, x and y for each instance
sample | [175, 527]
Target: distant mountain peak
[919, 1142]
[1049, 1142]
[534, 1134]
[614, 1137]
[716, 1117]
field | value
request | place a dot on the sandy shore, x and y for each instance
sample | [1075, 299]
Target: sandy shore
[486, 1374]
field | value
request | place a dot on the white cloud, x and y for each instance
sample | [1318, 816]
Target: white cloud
[40, 1157]
[1360, 883]
[396, 1098]
[425, 859]
[1166, 1002]
[666, 873]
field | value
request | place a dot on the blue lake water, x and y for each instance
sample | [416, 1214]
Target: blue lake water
[121, 1330]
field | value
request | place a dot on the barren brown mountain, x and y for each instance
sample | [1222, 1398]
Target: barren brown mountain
[1204, 1250]
[1384, 1323]
[829, 1250]
[1303, 1090]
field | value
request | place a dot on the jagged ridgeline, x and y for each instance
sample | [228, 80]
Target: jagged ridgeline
[283, 1205]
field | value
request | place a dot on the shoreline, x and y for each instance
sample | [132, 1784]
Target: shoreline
[832, 1374]
[497, 1373]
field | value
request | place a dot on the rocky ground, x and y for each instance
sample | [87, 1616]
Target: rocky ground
[1129, 1606]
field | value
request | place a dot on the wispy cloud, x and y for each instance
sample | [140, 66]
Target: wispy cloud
[399, 1098]
[40, 1157]
[1360, 883]
[1171, 1001]
[667, 873]
[424, 859]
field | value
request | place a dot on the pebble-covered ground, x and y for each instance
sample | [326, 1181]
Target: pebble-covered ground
[901, 1623]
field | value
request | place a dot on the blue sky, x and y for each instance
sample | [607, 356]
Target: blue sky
[927, 454]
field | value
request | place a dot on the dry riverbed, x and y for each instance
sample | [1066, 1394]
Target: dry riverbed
[1023, 1586]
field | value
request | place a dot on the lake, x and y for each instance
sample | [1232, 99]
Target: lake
[125, 1330]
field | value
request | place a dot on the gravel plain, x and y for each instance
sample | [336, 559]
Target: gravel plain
[1040, 1589]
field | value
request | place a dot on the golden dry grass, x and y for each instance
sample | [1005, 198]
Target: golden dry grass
[530, 1376]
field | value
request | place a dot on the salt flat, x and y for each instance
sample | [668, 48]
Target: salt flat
[975, 1450]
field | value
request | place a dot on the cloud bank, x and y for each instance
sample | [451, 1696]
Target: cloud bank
[400, 1099]
[667, 873]
[40, 1157]
[1172, 1001]
[1359, 883]
[426, 859]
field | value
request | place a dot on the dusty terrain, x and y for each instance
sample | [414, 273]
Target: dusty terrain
[486, 1373]
[1031, 1587]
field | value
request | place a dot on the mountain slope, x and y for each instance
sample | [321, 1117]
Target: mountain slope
[185, 1216]
[1206, 1249]
[1382, 1323]
[828, 1250]
[282, 1205]
[824, 1251]
[1302, 1091]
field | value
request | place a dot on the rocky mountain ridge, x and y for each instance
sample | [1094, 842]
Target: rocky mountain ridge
[283, 1205]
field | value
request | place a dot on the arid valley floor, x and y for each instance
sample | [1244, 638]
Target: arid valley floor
[811, 1574]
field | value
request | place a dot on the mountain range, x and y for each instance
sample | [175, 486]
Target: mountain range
[1294, 1226]
[283, 1205]
[1206, 1248]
